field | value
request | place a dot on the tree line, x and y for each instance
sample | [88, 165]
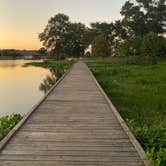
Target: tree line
[140, 32]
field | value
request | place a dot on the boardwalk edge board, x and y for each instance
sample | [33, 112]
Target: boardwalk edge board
[5, 140]
[131, 137]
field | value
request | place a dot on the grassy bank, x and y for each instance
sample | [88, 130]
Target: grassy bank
[139, 94]
[51, 64]
[7, 123]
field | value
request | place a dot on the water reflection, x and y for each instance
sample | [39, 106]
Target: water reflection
[19, 86]
[50, 80]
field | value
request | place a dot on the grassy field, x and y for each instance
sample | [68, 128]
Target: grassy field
[139, 94]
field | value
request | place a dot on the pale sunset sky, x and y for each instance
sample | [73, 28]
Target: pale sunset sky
[22, 20]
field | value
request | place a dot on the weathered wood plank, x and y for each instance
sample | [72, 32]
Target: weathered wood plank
[69, 163]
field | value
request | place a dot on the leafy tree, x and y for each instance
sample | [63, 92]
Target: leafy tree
[119, 30]
[143, 16]
[54, 34]
[62, 37]
[123, 48]
[150, 46]
[100, 47]
[162, 46]
[75, 44]
[134, 19]
[42, 51]
[104, 29]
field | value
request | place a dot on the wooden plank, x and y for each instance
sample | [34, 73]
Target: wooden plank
[69, 163]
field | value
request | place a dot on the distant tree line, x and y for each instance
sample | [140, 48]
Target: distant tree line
[139, 33]
[12, 53]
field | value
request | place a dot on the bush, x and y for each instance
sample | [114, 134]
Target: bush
[152, 139]
[150, 47]
[100, 47]
[7, 123]
[123, 48]
[162, 46]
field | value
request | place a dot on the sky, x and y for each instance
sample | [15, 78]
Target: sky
[22, 20]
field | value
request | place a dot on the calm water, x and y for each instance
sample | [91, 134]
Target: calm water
[20, 87]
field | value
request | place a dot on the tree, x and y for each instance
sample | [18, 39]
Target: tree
[162, 46]
[62, 37]
[123, 48]
[150, 46]
[119, 30]
[100, 47]
[75, 44]
[104, 29]
[54, 34]
[42, 51]
[143, 16]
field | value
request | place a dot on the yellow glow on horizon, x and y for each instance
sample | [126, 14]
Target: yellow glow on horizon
[19, 41]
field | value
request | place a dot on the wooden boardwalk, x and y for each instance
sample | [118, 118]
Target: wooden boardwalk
[75, 125]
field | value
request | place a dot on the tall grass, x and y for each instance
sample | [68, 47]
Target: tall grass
[139, 93]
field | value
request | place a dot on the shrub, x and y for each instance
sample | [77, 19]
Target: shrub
[100, 47]
[123, 48]
[7, 123]
[162, 46]
[152, 139]
[150, 47]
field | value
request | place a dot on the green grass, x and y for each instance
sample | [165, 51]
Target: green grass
[7, 123]
[52, 64]
[139, 94]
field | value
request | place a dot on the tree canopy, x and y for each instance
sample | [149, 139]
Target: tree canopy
[62, 37]
[143, 16]
[100, 47]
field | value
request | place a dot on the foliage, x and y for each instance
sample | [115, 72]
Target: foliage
[153, 139]
[52, 64]
[123, 48]
[143, 16]
[162, 46]
[103, 29]
[150, 46]
[100, 47]
[42, 51]
[62, 37]
[138, 92]
[7, 123]
[76, 44]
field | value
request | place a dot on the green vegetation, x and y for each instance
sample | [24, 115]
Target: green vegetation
[7, 123]
[100, 47]
[9, 57]
[142, 23]
[8, 54]
[63, 38]
[123, 48]
[138, 92]
[52, 64]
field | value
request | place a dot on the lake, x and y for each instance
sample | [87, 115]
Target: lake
[20, 86]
